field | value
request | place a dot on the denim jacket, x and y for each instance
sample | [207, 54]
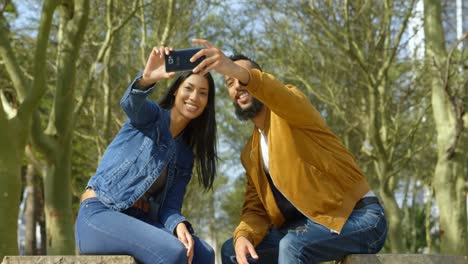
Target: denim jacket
[142, 149]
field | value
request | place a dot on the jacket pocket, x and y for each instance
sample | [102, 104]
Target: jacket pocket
[126, 161]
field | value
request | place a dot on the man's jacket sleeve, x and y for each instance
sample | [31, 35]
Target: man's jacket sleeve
[254, 222]
[285, 101]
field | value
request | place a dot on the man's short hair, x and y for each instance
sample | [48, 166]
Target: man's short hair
[239, 56]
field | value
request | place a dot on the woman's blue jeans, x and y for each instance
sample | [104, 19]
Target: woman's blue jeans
[305, 241]
[103, 231]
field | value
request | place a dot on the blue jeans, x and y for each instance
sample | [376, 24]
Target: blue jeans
[103, 231]
[304, 241]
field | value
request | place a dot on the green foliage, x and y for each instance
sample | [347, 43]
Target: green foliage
[9, 7]
[232, 201]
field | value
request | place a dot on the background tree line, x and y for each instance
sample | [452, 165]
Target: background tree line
[65, 63]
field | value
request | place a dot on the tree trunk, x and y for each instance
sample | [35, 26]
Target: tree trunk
[449, 178]
[394, 216]
[14, 133]
[58, 212]
[30, 212]
[411, 233]
[427, 220]
[56, 145]
[41, 250]
[10, 188]
[382, 164]
[451, 199]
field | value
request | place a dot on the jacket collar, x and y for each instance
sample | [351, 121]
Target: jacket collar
[255, 138]
[266, 121]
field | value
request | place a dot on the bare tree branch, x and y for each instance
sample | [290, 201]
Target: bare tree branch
[39, 85]
[93, 73]
[11, 62]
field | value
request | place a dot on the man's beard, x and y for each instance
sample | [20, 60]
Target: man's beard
[250, 112]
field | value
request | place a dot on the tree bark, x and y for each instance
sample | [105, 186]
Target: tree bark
[58, 213]
[427, 220]
[394, 216]
[449, 176]
[10, 185]
[30, 212]
[56, 143]
[14, 131]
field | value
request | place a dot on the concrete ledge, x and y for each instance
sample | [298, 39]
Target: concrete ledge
[405, 258]
[68, 259]
[352, 259]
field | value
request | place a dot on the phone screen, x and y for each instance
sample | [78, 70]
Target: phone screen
[179, 60]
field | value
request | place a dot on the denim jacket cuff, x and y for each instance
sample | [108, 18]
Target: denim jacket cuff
[174, 221]
[189, 227]
[135, 93]
[134, 88]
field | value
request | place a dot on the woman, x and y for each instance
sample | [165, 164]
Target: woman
[132, 204]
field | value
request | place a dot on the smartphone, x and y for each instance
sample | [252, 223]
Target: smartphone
[179, 60]
[250, 260]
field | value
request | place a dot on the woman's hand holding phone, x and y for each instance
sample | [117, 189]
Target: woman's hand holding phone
[155, 69]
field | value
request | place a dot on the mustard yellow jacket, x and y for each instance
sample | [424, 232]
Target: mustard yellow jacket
[307, 162]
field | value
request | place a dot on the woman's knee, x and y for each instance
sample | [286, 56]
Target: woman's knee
[177, 255]
[209, 254]
[227, 249]
[172, 251]
[204, 253]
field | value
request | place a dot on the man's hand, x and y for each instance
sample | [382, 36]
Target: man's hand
[186, 238]
[216, 60]
[155, 68]
[243, 247]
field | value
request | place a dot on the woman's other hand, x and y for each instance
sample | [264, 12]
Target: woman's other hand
[186, 238]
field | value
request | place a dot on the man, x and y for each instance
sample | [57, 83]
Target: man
[306, 199]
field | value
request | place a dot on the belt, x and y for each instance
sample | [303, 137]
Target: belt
[89, 193]
[366, 201]
[141, 203]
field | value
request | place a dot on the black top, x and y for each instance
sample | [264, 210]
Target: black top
[288, 210]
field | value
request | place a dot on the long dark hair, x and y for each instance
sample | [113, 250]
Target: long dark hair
[200, 133]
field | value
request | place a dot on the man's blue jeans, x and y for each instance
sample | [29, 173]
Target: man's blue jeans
[100, 230]
[304, 241]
